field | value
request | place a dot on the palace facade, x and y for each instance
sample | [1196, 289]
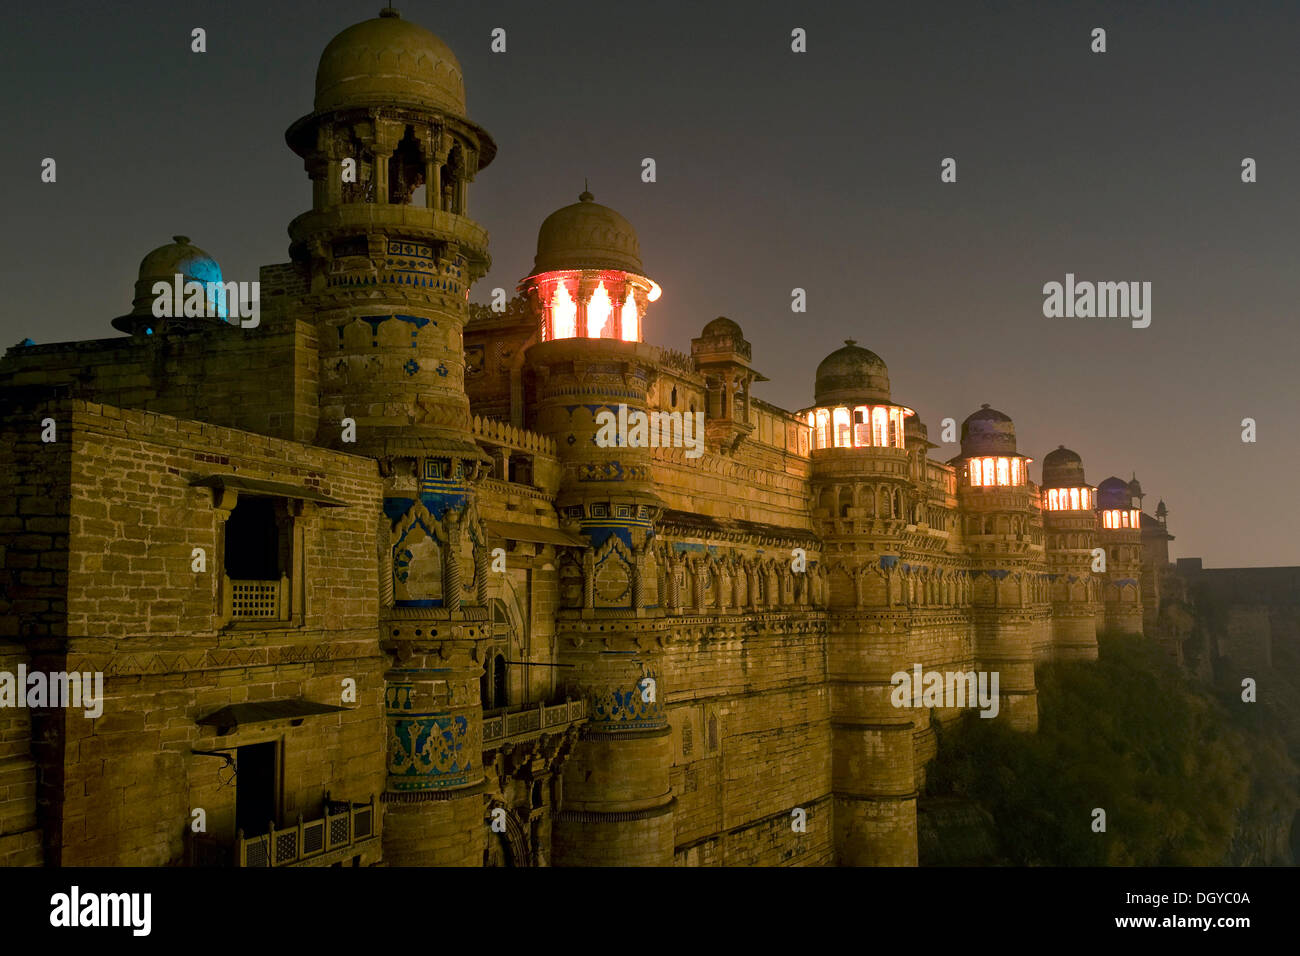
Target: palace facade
[364, 586]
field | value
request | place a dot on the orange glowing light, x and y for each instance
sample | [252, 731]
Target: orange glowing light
[599, 310]
[564, 314]
[654, 293]
[630, 331]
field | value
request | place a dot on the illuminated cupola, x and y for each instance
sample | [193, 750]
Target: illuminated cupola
[988, 451]
[853, 408]
[164, 264]
[1119, 508]
[1064, 488]
[587, 279]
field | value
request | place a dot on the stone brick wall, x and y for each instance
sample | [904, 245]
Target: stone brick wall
[262, 379]
[121, 788]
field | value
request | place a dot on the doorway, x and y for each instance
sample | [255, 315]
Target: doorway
[255, 788]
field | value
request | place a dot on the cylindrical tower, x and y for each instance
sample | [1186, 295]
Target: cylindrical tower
[592, 374]
[1120, 511]
[1009, 609]
[1070, 527]
[391, 253]
[862, 501]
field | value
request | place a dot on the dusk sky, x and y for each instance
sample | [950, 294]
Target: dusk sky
[775, 170]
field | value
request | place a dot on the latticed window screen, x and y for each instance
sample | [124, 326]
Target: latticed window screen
[255, 599]
[286, 846]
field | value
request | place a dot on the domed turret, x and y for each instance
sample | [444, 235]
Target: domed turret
[851, 375]
[988, 450]
[988, 432]
[587, 235]
[722, 326]
[587, 279]
[389, 60]
[1062, 468]
[1064, 487]
[853, 408]
[192, 264]
[1113, 493]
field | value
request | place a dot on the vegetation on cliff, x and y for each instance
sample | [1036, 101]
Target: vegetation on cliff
[1180, 772]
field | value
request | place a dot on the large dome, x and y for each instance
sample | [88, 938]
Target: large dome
[389, 60]
[178, 257]
[988, 432]
[587, 235]
[851, 375]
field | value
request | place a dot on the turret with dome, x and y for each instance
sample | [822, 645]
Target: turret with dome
[853, 405]
[988, 450]
[587, 279]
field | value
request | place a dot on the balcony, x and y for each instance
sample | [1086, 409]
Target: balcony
[344, 830]
[531, 720]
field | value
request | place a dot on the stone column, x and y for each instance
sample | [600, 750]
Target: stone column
[451, 582]
[638, 577]
[481, 564]
[588, 579]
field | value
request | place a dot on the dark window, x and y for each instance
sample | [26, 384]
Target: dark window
[253, 541]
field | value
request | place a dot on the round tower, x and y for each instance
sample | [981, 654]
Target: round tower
[1119, 507]
[391, 253]
[1070, 529]
[862, 498]
[1003, 536]
[591, 372]
[388, 243]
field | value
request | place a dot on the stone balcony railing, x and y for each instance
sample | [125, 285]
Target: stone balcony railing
[313, 842]
[516, 439]
[531, 720]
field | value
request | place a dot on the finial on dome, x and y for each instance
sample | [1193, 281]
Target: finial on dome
[986, 405]
[390, 11]
[181, 240]
[850, 341]
[1060, 447]
[585, 195]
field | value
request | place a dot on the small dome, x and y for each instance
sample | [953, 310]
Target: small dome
[163, 265]
[1113, 493]
[1062, 468]
[722, 326]
[988, 432]
[587, 235]
[1135, 487]
[386, 61]
[851, 375]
